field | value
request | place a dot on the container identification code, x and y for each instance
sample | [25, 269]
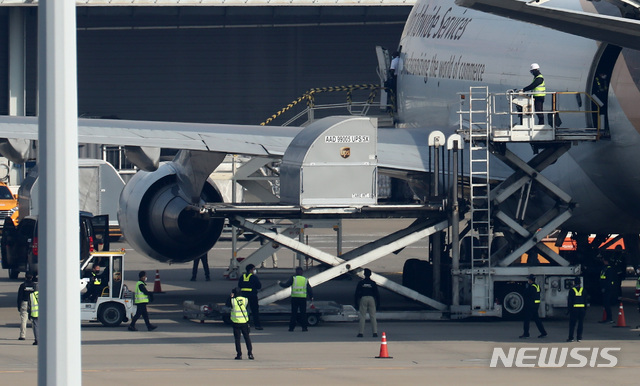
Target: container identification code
[346, 139]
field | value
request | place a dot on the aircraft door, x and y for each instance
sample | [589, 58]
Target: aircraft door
[384, 61]
[599, 87]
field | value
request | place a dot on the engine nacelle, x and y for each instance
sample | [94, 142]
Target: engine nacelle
[157, 221]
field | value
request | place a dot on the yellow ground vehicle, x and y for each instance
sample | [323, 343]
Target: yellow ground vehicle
[8, 204]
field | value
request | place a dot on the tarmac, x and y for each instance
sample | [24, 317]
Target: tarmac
[189, 352]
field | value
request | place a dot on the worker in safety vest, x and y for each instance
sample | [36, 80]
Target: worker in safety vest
[95, 285]
[538, 88]
[34, 313]
[142, 297]
[300, 291]
[392, 81]
[240, 321]
[607, 288]
[531, 305]
[577, 304]
[24, 291]
[249, 285]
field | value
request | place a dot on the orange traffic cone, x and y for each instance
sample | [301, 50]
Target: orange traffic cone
[621, 321]
[383, 347]
[157, 287]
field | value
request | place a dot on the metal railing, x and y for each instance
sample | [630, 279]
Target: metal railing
[115, 155]
[566, 108]
[358, 108]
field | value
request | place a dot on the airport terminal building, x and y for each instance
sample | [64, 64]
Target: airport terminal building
[207, 61]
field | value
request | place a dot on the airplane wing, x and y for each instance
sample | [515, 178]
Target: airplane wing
[403, 149]
[609, 29]
[234, 139]
[271, 141]
[156, 209]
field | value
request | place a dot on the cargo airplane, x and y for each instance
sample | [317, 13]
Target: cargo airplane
[447, 47]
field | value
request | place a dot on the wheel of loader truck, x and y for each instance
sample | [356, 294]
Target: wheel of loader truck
[512, 299]
[111, 314]
[313, 319]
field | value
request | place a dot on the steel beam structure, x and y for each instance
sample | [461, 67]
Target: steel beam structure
[351, 260]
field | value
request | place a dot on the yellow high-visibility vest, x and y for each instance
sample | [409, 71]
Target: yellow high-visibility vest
[579, 299]
[245, 279]
[239, 310]
[96, 279]
[141, 297]
[541, 88]
[603, 274]
[34, 303]
[299, 287]
[537, 287]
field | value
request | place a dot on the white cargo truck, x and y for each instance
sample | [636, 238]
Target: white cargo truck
[99, 186]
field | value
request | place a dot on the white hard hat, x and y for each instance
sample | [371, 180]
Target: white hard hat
[534, 66]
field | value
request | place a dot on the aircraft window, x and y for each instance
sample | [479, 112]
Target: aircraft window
[117, 275]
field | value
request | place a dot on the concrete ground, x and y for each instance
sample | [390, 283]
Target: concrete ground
[188, 352]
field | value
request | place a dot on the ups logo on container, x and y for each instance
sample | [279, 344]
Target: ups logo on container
[345, 152]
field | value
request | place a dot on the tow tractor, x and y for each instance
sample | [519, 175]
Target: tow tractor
[114, 304]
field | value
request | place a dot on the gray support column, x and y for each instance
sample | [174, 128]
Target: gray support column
[436, 140]
[436, 238]
[16, 62]
[59, 353]
[436, 255]
[455, 231]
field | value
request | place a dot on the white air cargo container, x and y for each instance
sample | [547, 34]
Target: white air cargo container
[333, 162]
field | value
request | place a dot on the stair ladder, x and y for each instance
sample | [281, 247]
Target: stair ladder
[479, 135]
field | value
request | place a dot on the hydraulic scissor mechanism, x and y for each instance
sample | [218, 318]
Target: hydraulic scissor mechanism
[519, 185]
[351, 260]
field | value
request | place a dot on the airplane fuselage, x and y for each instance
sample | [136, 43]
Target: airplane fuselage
[446, 49]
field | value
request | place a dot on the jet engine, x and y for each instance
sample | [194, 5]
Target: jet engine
[161, 221]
